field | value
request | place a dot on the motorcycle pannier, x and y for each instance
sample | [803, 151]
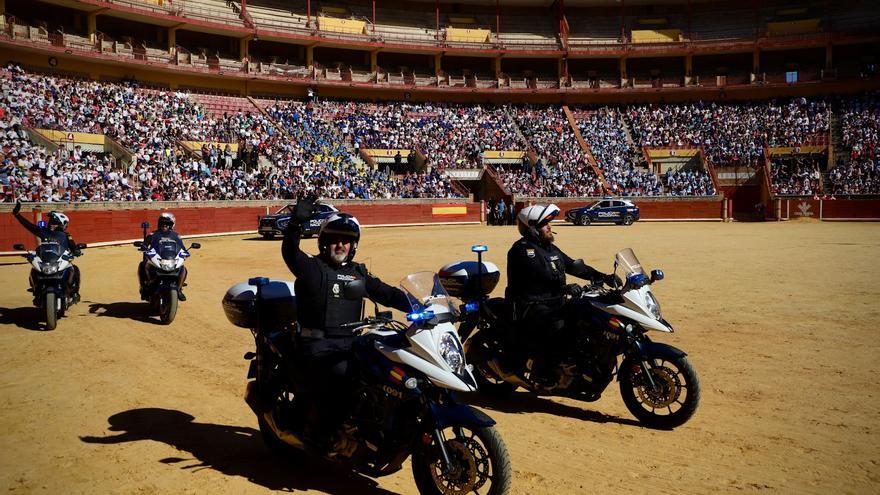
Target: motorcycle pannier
[460, 279]
[278, 306]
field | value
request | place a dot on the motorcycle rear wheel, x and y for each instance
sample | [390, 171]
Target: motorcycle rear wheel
[167, 306]
[673, 402]
[478, 457]
[51, 307]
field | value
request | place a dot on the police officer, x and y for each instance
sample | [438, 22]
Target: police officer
[536, 286]
[164, 233]
[56, 231]
[323, 307]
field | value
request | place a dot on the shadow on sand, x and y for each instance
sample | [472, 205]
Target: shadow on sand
[138, 311]
[526, 402]
[231, 450]
[29, 318]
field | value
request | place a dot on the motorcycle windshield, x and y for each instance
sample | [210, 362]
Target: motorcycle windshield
[167, 250]
[49, 251]
[423, 289]
[627, 260]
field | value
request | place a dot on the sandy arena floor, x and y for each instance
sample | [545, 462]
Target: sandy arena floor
[779, 321]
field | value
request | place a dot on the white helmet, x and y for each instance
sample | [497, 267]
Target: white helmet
[532, 218]
[341, 224]
[56, 217]
[166, 218]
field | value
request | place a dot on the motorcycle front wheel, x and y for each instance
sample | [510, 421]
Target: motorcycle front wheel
[479, 463]
[672, 399]
[51, 307]
[167, 306]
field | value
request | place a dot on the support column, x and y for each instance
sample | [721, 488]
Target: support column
[92, 26]
[3, 12]
[829, 57]
[496, 65]
[756, 61]
[172, 40]
[310, 56]
[438, 66]
[623, 71]
[688, 69]
[243, 48]
[374, 61]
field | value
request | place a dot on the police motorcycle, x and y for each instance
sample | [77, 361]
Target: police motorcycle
[163, 265]
[404, 377]
[607, 329]
[51, 268]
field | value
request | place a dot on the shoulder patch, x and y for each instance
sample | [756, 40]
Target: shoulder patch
[530, 253]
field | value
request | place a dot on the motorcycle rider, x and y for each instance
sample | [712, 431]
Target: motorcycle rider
[56, 231]
[323, 347]
[164, 233]
[536, 287]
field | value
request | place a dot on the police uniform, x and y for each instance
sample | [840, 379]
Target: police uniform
[536, 289]
[63, 239]
[323, 347]
[152, 241]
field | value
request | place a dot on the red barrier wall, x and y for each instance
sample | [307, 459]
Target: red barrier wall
[828, 209]
[91, 226]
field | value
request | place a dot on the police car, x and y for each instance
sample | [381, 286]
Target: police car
[272, 225]
[619, 211]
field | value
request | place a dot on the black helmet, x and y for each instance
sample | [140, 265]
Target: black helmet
[341, 224]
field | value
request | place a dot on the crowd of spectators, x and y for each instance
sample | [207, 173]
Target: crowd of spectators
[796, 175]
[731, 133]
[450, 135]
[860, 126]
[621, 162]
[149, 124]
[690, 182]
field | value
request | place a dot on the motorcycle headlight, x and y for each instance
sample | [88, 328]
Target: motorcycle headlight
[166, 264]
[450, 351]
[653, 305]
[49, 268]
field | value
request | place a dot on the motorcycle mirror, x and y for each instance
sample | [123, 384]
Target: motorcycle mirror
[657, 275]
[354, 290]
[81, 246]
[139, 244]
[195, 245]
[636, 280]
[18, 247]
[145, 225]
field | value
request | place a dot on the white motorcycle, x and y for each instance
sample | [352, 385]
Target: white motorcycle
[160, 287]
[51, 267]
[402, 401]
[657, 382]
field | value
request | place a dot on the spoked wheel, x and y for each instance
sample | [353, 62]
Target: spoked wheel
[167, 306]
[51, 307]
[478, 463]
[488, 383]
[672, 399]
[628, 220]
[583, 220]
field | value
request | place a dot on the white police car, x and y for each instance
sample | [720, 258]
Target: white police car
[619, 211]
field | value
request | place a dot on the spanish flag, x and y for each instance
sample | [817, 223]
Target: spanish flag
[446, 211]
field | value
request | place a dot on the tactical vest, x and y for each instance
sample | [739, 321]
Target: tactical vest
[337, 309]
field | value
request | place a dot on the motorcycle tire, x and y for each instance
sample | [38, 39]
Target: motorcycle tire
[655, 409]
[276, 446]
[167, 306]
[51, 307]
[480, 457]
[487, 382]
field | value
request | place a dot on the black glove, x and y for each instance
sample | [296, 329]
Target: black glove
[612, 280]
[573, 290]
[17, 208]
[305, 208]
